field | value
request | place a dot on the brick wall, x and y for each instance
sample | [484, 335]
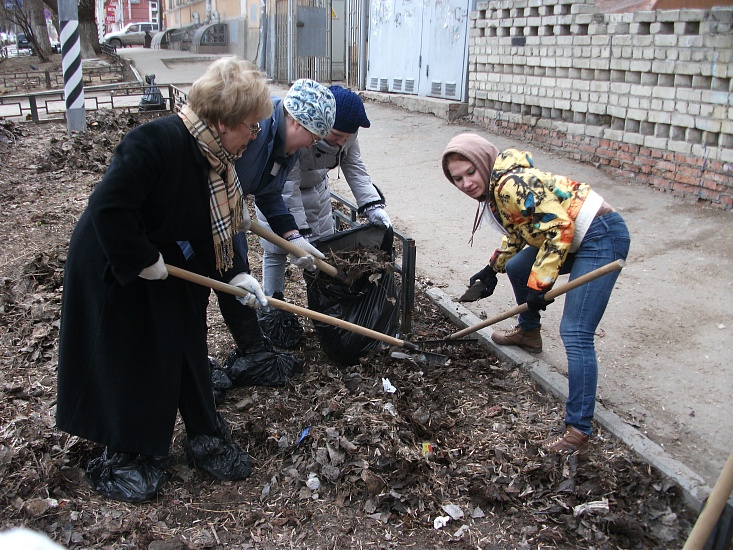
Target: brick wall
[644, 95]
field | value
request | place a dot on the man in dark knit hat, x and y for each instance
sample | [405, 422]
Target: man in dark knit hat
[307, 193]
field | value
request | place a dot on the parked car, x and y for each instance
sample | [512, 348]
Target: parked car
[133, 34]
[23, 42]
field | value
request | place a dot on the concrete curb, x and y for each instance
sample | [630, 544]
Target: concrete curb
[442, 108]
[694, 489]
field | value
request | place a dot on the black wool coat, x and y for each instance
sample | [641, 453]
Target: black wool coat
[132, 351]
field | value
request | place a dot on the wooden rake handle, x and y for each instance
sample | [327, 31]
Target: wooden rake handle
[276, 239]
[285, 306]
[549, 295]
[712, 509]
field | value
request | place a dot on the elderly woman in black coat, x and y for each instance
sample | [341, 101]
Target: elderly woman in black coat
[133, 340]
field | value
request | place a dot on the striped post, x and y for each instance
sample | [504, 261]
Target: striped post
[71, 65]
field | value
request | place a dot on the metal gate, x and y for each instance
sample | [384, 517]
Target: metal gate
[357, 28]
[418, 47]
[303, 40]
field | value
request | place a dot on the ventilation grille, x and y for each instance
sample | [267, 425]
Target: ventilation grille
[397, 84]
[450, 89]
[410, 86]
[436, 88]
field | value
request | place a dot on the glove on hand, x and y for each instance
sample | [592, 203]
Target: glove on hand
[487, 276]
[246, 220]
[536, 300]
[155, 272]
[379, 216]
[306, 262]
[256, 297]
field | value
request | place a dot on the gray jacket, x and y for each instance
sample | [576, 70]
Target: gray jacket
[307, 194]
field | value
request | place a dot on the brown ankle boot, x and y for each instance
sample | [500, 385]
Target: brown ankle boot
[571, 441]
[530, 340]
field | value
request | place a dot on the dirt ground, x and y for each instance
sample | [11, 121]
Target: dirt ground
[665, 359]
[454, 444]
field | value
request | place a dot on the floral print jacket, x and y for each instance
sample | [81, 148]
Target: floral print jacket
[536, 209]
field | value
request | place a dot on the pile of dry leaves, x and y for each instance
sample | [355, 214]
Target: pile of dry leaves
[389, 453]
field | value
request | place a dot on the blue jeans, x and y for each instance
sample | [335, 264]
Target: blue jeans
[607, 240]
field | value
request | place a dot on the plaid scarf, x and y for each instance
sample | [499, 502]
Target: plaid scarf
[226, 199]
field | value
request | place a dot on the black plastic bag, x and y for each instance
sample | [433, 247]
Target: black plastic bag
[282, 327]
[152, 99]
[128, 477]
[220, 381]
[262, 366]
[372, 301]
[218, 454]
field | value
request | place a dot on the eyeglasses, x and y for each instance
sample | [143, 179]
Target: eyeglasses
[314, 138]
[254, 130]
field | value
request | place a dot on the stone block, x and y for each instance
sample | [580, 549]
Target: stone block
[645, 16]
[642, 66]
[633, 138]
[668, 16]
[613, 135]
[659, 117]
[686, 121]
[641, 41]
[594, 131]
[691, 15]
[665, 40]
[679, 147]
[655, 142]
[708, 124]
[718, 98]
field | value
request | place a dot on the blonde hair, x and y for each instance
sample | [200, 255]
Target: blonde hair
[231, 90]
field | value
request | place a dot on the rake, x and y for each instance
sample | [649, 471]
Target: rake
[426, 356]
[549, 295]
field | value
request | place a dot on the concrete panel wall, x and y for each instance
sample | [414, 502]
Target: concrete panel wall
[646, 95]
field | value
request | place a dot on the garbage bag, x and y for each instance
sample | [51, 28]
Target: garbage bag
[218, 454]
[282, 327]
[262, 366]
[372, 301]
[220, 381]
[128, 477]
[152, 99]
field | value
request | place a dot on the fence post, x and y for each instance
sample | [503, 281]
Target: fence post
[34, 107]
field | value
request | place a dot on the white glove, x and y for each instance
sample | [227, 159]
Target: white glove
[256, 297]
[379, 216]
[306, 262]
[155, 272]
[246, 220]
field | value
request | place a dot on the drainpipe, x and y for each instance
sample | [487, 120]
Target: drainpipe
[261, 47]
[363, 35]
[207, 18]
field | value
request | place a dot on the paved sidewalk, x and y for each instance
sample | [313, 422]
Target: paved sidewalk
[666, 373]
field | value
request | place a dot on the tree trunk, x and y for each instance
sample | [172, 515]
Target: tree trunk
[40, 31]
[88, 32]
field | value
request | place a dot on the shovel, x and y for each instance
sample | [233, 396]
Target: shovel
[551, 294]
[428, 357]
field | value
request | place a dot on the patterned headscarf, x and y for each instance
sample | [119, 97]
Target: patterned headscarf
[224, 188]
[312, 105]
